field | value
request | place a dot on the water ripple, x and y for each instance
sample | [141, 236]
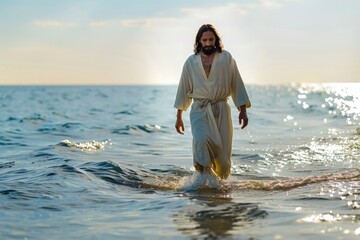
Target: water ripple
[7, 164]
[114, 173]
[139, 129]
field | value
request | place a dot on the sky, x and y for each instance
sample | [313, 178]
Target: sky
[146, 42]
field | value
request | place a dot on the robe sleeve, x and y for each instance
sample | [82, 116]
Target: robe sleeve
[183, 100]
[238, 91]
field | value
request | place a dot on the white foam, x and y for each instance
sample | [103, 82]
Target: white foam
[204, 180]
[86, 146]
[328, 217]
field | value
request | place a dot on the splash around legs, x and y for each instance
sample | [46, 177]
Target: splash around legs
[203, 178]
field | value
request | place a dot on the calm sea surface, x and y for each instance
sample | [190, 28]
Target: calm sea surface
[107, 163]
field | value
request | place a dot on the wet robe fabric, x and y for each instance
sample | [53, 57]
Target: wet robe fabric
[210, 115]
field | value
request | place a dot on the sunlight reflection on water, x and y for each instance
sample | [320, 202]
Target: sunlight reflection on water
[343, 99]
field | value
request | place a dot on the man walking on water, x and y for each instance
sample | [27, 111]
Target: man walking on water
[209, 77]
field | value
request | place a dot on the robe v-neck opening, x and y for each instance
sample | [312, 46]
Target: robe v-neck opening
[207, 78]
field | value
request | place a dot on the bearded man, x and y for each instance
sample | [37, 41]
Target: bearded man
[209, 77]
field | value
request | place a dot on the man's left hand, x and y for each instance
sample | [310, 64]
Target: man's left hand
[243, 119]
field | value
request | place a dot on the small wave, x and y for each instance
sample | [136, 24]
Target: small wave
[139, 129]
[36, 117]
[14, 194]
[138, 178]
[114, 173]
[27, 191]
[13, 144]
[70, 125]
[4, 141]
[86, 146]
[33, 118]
[124, 113]
[188, 181]
[60, 128]
[200, 182]
[7, 164]
[287, 184]
[66, 168]
[11, 118]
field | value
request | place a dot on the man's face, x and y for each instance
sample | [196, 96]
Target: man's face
[207, 41]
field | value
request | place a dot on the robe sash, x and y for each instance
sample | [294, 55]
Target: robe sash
[212, 109]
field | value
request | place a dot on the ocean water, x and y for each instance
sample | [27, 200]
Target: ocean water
[92, 162]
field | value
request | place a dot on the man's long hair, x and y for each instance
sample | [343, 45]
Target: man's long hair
[206, 28]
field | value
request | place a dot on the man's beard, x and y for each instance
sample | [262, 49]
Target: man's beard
[208, 50]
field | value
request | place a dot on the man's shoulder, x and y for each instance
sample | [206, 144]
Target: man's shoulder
[225, 56]
[191, 58]
[226, 53]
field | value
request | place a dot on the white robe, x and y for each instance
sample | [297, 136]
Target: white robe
[210, 114]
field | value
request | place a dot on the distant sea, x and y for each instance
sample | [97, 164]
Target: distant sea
[105, 162]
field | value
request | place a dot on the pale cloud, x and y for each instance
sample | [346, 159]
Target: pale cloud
[228, 10]
[203, 13]
[224, 10]
[233, 9]
[140, 22]
[274, 3]
[58, 24]
[186, 14]
[53, 23]
[97, 24]
[145, 22]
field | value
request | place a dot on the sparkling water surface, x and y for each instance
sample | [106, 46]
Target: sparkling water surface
[93, 162]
